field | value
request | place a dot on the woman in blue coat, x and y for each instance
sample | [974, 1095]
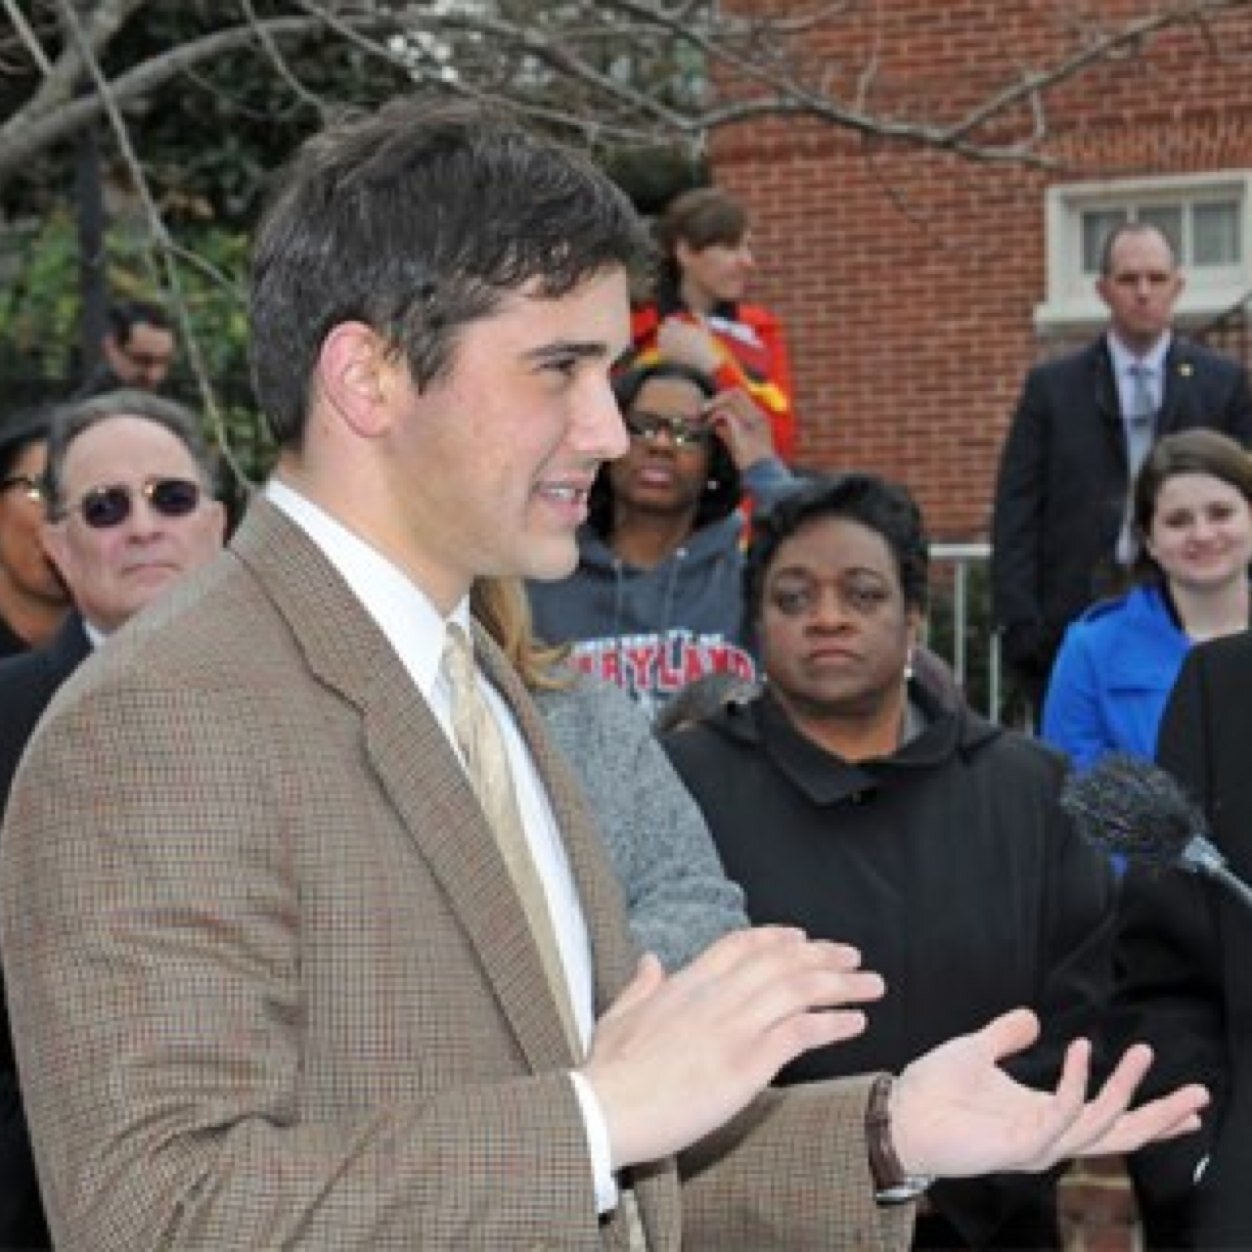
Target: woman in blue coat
[1115, 670]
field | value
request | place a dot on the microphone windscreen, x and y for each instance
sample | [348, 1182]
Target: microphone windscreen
[1128, 805]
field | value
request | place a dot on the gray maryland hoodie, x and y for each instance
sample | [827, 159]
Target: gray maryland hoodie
[652, 631]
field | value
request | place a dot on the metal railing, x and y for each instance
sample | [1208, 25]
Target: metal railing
[960, 626]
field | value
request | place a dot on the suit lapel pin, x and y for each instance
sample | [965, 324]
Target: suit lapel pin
[1185, 369]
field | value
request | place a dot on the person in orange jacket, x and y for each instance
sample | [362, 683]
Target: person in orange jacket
[699, 315]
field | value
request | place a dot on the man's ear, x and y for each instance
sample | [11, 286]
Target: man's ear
[354, 375]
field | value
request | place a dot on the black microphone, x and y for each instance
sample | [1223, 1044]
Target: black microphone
[1128, 805]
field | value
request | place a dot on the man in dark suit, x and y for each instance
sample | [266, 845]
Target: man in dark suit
[284, 969]
[110, 531]
[1060, 529]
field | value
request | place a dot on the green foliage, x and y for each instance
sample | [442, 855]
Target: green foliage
[40, 311]
[39, 308]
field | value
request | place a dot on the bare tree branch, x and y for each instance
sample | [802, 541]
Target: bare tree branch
[754, 67]
[161, 242]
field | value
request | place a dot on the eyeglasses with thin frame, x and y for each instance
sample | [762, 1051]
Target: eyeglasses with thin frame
[682, 433]
[31, 487]
[108, 506]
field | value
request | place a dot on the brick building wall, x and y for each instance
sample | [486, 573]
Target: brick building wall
[907, 278]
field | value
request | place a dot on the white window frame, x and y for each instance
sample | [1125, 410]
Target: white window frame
[1072, 302]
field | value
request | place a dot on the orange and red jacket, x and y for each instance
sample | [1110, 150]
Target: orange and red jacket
[754, 356]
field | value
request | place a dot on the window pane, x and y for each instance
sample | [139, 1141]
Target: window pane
[1215, 234]
[1096, 225]
[1167, 218]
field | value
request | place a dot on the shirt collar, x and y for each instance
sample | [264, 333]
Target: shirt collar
[403, 612]
[1154, 359]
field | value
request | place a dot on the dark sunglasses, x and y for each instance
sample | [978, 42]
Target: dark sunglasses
[682, 433]
[103, 507]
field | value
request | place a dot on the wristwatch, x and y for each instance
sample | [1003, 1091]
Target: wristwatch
[891, 1184]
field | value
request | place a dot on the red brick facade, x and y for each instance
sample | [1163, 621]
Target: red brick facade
[907, 277]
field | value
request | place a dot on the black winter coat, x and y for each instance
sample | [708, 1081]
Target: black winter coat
[1182, 954]
[950, 866]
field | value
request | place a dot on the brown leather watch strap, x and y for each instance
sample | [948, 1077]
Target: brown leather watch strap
[891, 1183]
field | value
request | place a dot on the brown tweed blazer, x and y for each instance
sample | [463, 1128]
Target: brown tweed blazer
[270, 984]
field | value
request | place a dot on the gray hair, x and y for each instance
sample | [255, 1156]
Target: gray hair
[73, 418]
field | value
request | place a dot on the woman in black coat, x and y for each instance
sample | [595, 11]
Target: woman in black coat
[850, 800]
[1182, 954]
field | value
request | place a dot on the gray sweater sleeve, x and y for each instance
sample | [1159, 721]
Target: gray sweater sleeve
[678, 896]
[768, 481]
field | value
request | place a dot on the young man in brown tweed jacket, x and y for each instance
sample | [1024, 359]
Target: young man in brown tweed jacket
[271, 982]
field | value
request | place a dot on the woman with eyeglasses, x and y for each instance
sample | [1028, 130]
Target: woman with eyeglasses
[852, 800]
[33, 600]
[655, 601]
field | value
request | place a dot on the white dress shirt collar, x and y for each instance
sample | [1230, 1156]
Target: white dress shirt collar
[405, 615]
[1154, 358]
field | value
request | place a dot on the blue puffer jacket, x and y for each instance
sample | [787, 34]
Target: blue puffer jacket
[1112, 678]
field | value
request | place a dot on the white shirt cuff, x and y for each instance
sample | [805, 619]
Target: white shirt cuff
[597, 1143]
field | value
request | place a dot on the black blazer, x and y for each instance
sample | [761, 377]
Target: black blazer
[28, 682]
[1062, 485]
[1182, 952]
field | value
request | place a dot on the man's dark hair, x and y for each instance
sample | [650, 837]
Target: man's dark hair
[886, 508]
[125, 315]
[723, 490]
[76, 416]
[416, 220]
[18, 431]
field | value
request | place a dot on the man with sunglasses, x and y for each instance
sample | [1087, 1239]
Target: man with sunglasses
[655, 601]
[127, 495]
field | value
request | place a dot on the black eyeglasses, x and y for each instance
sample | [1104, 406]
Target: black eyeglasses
[682, 433]
[103, 507]
[32, 488]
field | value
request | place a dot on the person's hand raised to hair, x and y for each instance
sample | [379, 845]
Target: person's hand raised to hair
[742, 426]
[676, 1057]
[955, 1113]
[688, 343]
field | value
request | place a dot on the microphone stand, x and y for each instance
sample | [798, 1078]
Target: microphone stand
[1201, 857]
